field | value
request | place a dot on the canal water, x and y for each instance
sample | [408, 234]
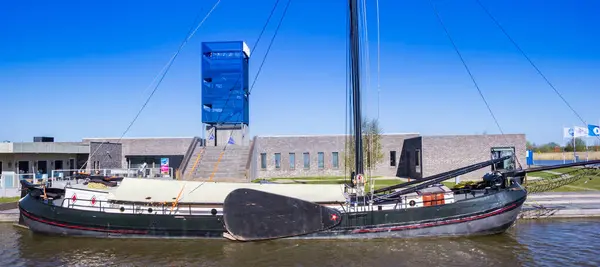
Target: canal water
[573, 242]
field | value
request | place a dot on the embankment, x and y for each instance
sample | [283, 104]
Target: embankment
[591, 155]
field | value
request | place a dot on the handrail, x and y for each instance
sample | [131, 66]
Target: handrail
[189, 153]
[198, 158]
[103, 206]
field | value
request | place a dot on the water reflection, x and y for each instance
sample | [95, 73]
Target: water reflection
[529, 243]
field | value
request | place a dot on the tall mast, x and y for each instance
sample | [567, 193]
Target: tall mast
[355, 83]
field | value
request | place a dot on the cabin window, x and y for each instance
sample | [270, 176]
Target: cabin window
[335, 162]
[393, 158]
[306, 160]
[277, 160]
[321, 158]
[263, 160]
[292, 161]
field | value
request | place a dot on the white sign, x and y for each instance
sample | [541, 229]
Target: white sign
[580, 131]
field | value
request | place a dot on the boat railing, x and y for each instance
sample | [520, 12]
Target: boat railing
[404, 202]
[69, 174]
[133, 208]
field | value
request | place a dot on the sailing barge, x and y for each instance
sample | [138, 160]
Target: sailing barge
[251, 211]
[244, 211]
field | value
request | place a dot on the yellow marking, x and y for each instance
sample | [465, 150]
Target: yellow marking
[177, 199]
[197, 160]
[212, 175]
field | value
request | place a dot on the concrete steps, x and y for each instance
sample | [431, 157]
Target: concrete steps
[232, 166]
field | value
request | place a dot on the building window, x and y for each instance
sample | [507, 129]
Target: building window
[263, 160]
[393, 158]
[418, 160]
[292, 161]
[321, 158]
[277, 160]
[306, 160]
[335, 160]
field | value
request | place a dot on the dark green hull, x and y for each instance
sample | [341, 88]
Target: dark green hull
[483, 215]
[487, 214]
[45, 218]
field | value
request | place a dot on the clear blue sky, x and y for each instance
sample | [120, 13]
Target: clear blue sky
[74, 69]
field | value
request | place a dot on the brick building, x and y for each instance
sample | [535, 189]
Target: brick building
[405, 155]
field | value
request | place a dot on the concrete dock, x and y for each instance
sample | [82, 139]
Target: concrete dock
[561, 205]
[538, 206]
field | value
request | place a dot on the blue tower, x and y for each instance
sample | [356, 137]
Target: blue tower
[225, 105]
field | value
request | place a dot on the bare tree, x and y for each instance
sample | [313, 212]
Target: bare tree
[372, 149]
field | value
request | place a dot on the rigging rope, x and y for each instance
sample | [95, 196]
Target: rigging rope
[530, 61]
[258, 72]
[255, 46]
[439, 18]
[270, 44]
[166, 70]
[268, 49]
[366, 54]
[348, 122]
[378, 59]
[367, 61]
[559, 180]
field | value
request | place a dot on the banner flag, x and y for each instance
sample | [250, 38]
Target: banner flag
[568, 132]
[593, 130]
[581, 131]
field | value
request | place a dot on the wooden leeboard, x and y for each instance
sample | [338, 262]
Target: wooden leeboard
[256, 215]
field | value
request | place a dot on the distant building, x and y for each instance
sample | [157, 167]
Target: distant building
[404, 155]
[41, 157]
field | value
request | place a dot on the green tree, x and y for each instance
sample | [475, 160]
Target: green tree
[579, 145]
[530, 146]
[372, 148]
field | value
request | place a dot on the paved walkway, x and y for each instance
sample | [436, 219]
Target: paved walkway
[11, 215]
[561, 205]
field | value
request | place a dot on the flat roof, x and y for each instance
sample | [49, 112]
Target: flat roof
[318, 135]
[45, 147]
[103, 138]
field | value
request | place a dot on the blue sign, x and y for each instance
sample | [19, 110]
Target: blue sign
[593, 130]
[529, 157]
[231, 142]
[211, 137]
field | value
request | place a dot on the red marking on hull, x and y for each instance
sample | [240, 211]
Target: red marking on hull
[432, 224]
[28, 215]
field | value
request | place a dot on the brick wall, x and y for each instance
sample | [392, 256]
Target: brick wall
[148, 146]
[444, 153]
[438, 154]
[107, 156]
[313, 145]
